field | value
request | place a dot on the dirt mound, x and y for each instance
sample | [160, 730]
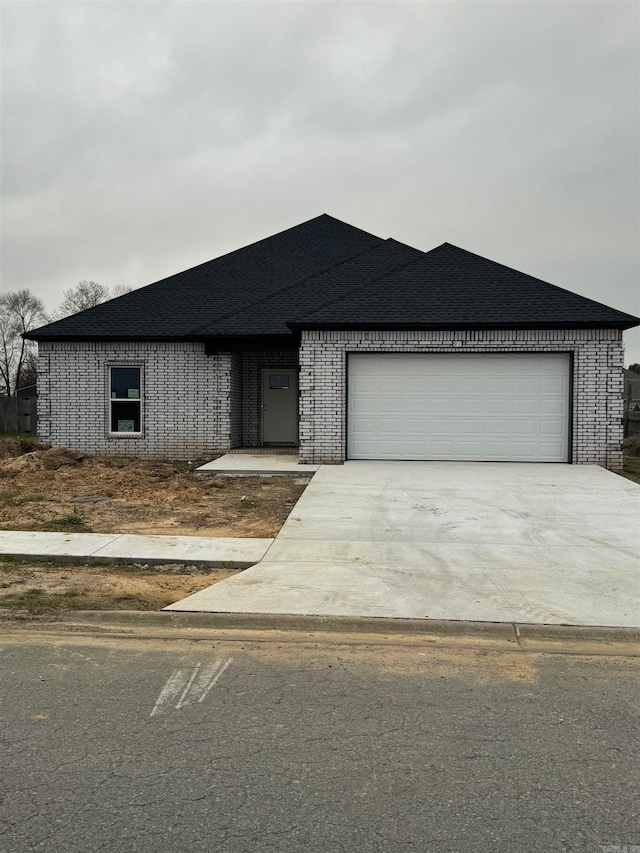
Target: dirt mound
[12, 447]
[58, 457]
[26, 462]
[631, 445]
[50, 459]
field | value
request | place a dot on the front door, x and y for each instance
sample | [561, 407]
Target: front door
[279, 406]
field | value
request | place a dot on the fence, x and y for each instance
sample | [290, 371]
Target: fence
[18, 414]
[631, 424]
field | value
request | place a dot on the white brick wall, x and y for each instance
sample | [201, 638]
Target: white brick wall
[188, 407]
[194, 404]
[597, 382]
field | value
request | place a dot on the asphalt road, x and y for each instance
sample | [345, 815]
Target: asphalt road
[268, 747]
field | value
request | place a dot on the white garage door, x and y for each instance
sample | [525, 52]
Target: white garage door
[511, 407]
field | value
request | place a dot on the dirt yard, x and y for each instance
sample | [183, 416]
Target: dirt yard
[49, 588]
[50, 488]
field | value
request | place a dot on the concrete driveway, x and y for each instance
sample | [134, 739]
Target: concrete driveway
[541, 543]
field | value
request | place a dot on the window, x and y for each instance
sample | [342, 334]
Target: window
[124, 406]
[279, 383]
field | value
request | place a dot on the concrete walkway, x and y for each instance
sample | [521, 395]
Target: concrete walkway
[128, 548]
[257, 464]
[551, 544]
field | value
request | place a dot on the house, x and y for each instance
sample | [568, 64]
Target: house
[346, 345]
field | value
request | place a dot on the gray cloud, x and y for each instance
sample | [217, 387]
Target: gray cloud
[142, 138]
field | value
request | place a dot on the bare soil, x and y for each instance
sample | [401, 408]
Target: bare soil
[55, 489]
[49, 588]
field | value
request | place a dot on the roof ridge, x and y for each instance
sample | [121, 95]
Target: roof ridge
[296, 283]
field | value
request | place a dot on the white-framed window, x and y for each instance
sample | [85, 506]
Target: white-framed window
[125, 403]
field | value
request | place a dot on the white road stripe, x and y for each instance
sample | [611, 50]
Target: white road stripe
[172, 688]
[215, 677]
[188, 688]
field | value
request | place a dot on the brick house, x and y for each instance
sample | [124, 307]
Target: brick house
[346, 345]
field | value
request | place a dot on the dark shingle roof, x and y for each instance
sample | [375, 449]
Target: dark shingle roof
[327, 274]
[185, 305]
[270, 315]
[449, 288]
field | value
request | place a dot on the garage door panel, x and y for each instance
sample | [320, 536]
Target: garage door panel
[556, 406]
[472, 405]
[443, 426]
[498, 385]
[444, 448]
[524, 427]
[527, 406]
[364, 405]
[551, 427]
[553, 386]
[470, 426]
[498, 406]
[526, 387]
[459, 406]
[496, 427]
[467, 385]
[469, 448]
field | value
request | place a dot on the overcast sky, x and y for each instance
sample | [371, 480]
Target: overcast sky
[142, 138]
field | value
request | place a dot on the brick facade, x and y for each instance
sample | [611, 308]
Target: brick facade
[194, 404]
[596, 380]
[188, 408]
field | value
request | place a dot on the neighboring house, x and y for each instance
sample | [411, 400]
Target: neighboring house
[631, 390]
[346, 345]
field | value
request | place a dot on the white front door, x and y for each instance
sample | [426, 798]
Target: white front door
[508, 407]
[279, 406]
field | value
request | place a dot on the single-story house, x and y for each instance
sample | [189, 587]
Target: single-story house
[346, 345]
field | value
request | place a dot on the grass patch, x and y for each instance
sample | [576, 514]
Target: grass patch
[12, 499]
[248, 504]
[36, 602]
[72, 521]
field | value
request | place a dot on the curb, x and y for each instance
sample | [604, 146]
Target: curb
[515, 632]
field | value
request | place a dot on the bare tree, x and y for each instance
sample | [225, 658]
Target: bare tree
[87, 294]
[20, 311]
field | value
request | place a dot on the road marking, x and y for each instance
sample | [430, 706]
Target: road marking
[181, 700]
[185, 687]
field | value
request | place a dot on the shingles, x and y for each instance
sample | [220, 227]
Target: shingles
[449, 287]
[327, 274]
[183, 303]
[269, 316]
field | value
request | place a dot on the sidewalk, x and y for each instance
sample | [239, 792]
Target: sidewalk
[121, 547]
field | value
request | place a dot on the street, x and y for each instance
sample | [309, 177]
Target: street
[273, 743]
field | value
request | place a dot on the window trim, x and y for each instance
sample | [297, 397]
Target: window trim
[140, 400]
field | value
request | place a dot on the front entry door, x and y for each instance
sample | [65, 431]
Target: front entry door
[279, 406]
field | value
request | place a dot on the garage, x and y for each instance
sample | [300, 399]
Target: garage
[502, 407]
